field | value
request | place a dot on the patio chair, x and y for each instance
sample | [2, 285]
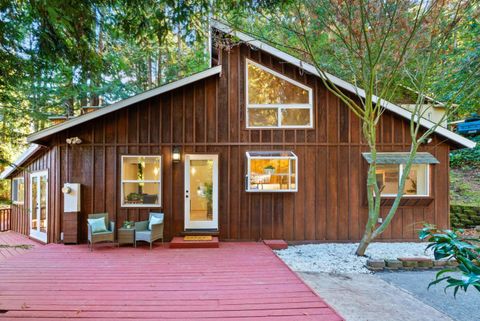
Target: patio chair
[143, 233]
[105, 236]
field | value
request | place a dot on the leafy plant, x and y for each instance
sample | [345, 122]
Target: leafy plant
[128, 224]
[450, 244]
[134, 197]
[466, 156]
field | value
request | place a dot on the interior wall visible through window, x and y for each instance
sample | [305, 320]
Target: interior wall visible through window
[141, 181]
[417, 183]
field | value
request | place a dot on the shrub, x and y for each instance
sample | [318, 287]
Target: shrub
[452, 245]
[467, 156]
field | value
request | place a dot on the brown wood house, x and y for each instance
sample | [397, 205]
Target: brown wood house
[253, 148]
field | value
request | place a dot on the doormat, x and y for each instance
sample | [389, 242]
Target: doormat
[197, 238]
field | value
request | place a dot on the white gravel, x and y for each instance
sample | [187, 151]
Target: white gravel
[340, 257]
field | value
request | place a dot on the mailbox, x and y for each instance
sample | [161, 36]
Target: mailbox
[71, 197]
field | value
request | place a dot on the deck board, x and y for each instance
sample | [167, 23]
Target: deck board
[13, 239]
[237, 281]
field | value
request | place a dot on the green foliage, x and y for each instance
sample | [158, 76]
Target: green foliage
[465, 186]
[448, 244]
[466, 156]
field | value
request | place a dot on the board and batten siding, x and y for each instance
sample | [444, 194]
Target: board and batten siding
[208, 116]
[44, 160]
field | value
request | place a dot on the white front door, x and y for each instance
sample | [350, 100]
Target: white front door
[39, 205]
[201, 191]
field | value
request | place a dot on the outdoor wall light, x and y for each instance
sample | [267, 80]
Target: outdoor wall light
[176, 154]
[73, 141]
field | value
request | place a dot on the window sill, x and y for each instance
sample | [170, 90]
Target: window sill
[140, 205]
[406, 201]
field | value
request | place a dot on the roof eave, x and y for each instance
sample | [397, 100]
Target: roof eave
[35, 137]
[32, 149]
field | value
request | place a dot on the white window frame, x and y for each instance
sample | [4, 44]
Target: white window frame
[16, 192]
[400, 173]
[279, 107]
[292, 155]
[122, 181]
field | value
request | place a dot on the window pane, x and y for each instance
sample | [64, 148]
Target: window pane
[201, 185]
[271, 174]
[141, 193]
[295, 117]
[265, 88]
[15, 190]
[141, 168]
[262, 117]
[20, 191]
[388, 176]
[416, 183]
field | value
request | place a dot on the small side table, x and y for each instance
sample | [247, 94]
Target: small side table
[126, 236]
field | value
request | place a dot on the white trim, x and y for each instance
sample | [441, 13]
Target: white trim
[159, 182]
[278, 107]
[290, 157]
[41, 236]
[123, 103]
[339, 82]
[213, 224]
[15, 191]
[32, 149]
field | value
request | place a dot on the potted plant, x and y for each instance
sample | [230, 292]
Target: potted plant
[128, 224]
[269, 170]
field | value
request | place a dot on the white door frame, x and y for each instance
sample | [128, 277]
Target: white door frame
[36, 233]
[213, 224]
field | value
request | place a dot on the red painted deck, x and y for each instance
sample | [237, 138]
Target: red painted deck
[237, 281]
[13, 244]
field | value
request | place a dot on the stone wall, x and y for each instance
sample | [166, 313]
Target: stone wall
[462, 216]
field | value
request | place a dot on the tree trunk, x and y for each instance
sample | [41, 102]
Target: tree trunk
[364, 243]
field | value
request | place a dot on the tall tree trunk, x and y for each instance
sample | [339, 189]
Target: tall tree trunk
[149, 71]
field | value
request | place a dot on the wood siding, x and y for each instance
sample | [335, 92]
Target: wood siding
[209, 117]
[44, 160]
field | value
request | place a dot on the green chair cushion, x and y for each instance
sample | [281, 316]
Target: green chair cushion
[97, 224]
[154, 220]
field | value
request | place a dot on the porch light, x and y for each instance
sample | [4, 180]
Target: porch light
[176, 154]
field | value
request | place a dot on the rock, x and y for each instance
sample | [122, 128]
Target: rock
[376, 264]
[393, 264]
[408, 262]
[424, 263]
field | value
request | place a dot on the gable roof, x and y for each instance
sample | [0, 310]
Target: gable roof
[216, 70]
[338, 82]
[32, 149]
[123, 103]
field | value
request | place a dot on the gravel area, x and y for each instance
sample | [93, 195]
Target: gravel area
[341, 258]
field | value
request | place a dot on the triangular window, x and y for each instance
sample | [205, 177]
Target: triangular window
[275, 101]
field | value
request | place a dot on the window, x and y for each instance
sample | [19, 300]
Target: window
[18, 188]
[390, 167]
[275, 101]
[271, 171]
[416, 184]
[141, 181]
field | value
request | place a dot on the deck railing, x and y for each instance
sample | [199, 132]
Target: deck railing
[5, 219]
